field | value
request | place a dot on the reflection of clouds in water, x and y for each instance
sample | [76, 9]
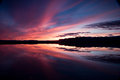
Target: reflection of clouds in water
[112, 58]
[58, 51]
[102, 54]
[44, 59]
[73, 50]
[87, 49]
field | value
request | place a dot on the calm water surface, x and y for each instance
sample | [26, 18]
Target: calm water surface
[58, 62]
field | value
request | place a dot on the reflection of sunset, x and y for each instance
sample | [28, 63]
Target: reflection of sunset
[49, 53]
[58, 51]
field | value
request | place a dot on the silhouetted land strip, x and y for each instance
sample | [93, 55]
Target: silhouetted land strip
[92, 41]
[26, 42]
[78, 42]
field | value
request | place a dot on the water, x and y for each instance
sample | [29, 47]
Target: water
[59, 62]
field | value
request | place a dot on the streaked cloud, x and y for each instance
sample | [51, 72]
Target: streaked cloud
[111, 25]
[72, 34]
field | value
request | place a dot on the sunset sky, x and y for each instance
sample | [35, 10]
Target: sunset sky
[56, 19]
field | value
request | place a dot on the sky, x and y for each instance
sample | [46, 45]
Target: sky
[58, 19]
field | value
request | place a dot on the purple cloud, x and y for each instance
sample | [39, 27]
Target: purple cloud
[72, 34]
[111, 25]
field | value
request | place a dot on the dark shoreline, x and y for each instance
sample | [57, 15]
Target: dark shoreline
[2, 42]
[78, 42]
[92, 41]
